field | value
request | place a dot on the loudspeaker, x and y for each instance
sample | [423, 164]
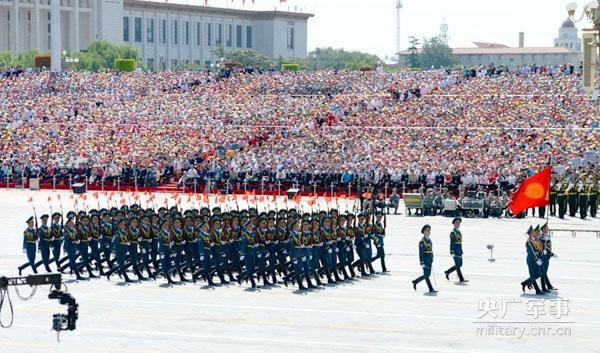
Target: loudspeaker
[78, 188]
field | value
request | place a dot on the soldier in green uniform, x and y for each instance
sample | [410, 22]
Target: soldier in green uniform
[573, 197]
[45, 238]
[456, 251]
[582, 200]
[553, 195]
[595, 189]
[428, 204]
[425, 258]
[30, 237]
[562, 196]
[546, 255]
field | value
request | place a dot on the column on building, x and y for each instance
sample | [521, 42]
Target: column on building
[16, 27]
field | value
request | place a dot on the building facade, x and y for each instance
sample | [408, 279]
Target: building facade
[566, 50]
[166, 35]
[568, 36]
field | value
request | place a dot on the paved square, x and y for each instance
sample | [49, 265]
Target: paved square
[379, 314]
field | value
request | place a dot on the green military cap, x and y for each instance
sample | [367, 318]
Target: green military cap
[425, 227]
[30, 219]
[120, 221]
[529, 230]
[44, 216]
[56, 215]
[457, 219]
[70, 214]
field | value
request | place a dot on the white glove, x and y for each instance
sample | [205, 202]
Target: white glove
[242, 258]
[347, 248]
[423, 265]
[555, 256]
[143, 250]
[303, 258]
[544, 252]
[201, 258]
[368, 246]
[266, 255]
[259, 256]
[337, 250]
[183, 242]
[284, 251]
[329, 251]
[310, 257]
[539, 262]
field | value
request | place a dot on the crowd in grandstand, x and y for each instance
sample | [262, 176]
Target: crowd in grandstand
[478, 126]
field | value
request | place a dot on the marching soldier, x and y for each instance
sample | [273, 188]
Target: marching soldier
[378, 236]
[249, 253]
[546, 255]
[177, 247]
[57, 238]
[45, 238]
[595, 189]
[553, 193]
[573, 198]
[425, 258]
[71, 244]
[30, 237]
[165, 241]
[456, 251]
[121, 248]
[84, 237]
[534, 250]
[562, 198]
[584, 192]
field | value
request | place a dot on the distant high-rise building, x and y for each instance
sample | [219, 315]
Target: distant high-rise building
[444, 32]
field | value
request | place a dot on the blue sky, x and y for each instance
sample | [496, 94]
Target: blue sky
[370, 25]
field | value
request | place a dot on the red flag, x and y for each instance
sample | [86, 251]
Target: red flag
[83, 197]
[367, 195]
[221, 198]
[311, 202]
[122, 201]
[30, 200]
[205, 198]
[49, 198]
[274, 198]
[95, 195]
[58, 197]
[533, 192]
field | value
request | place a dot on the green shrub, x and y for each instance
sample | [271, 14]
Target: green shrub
[290, 67]
[125, 64]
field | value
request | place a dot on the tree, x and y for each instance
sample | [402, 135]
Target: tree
[101, 55]
[413, 58]
[247, 57]
[339, 59]
[435, 54]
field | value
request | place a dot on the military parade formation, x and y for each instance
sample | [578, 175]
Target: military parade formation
[284, 245]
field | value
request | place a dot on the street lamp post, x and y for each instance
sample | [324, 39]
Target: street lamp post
[591, 40]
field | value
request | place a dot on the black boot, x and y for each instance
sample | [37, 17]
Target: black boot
[417, 281]
[371, 269]
[544, 288]
[549, 285]
[124, 274]
[100, 269]
[300, 285]
[252, 281]
[265, 281]
[460, 276]
[431, 290]
[150, 274]
[362, 269]
[222, 278]
[89, 269]
[329, 279]
[78, 275]
[336, 275]
[310, 285]
[181, 276]
[273, 277]
[231, 278]
[169, 280]
[139, 274]
[383, 268]
[352, 273]
[525, 283]
[537, 288]
[317, 279]
[344, 273]
[449, 271]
